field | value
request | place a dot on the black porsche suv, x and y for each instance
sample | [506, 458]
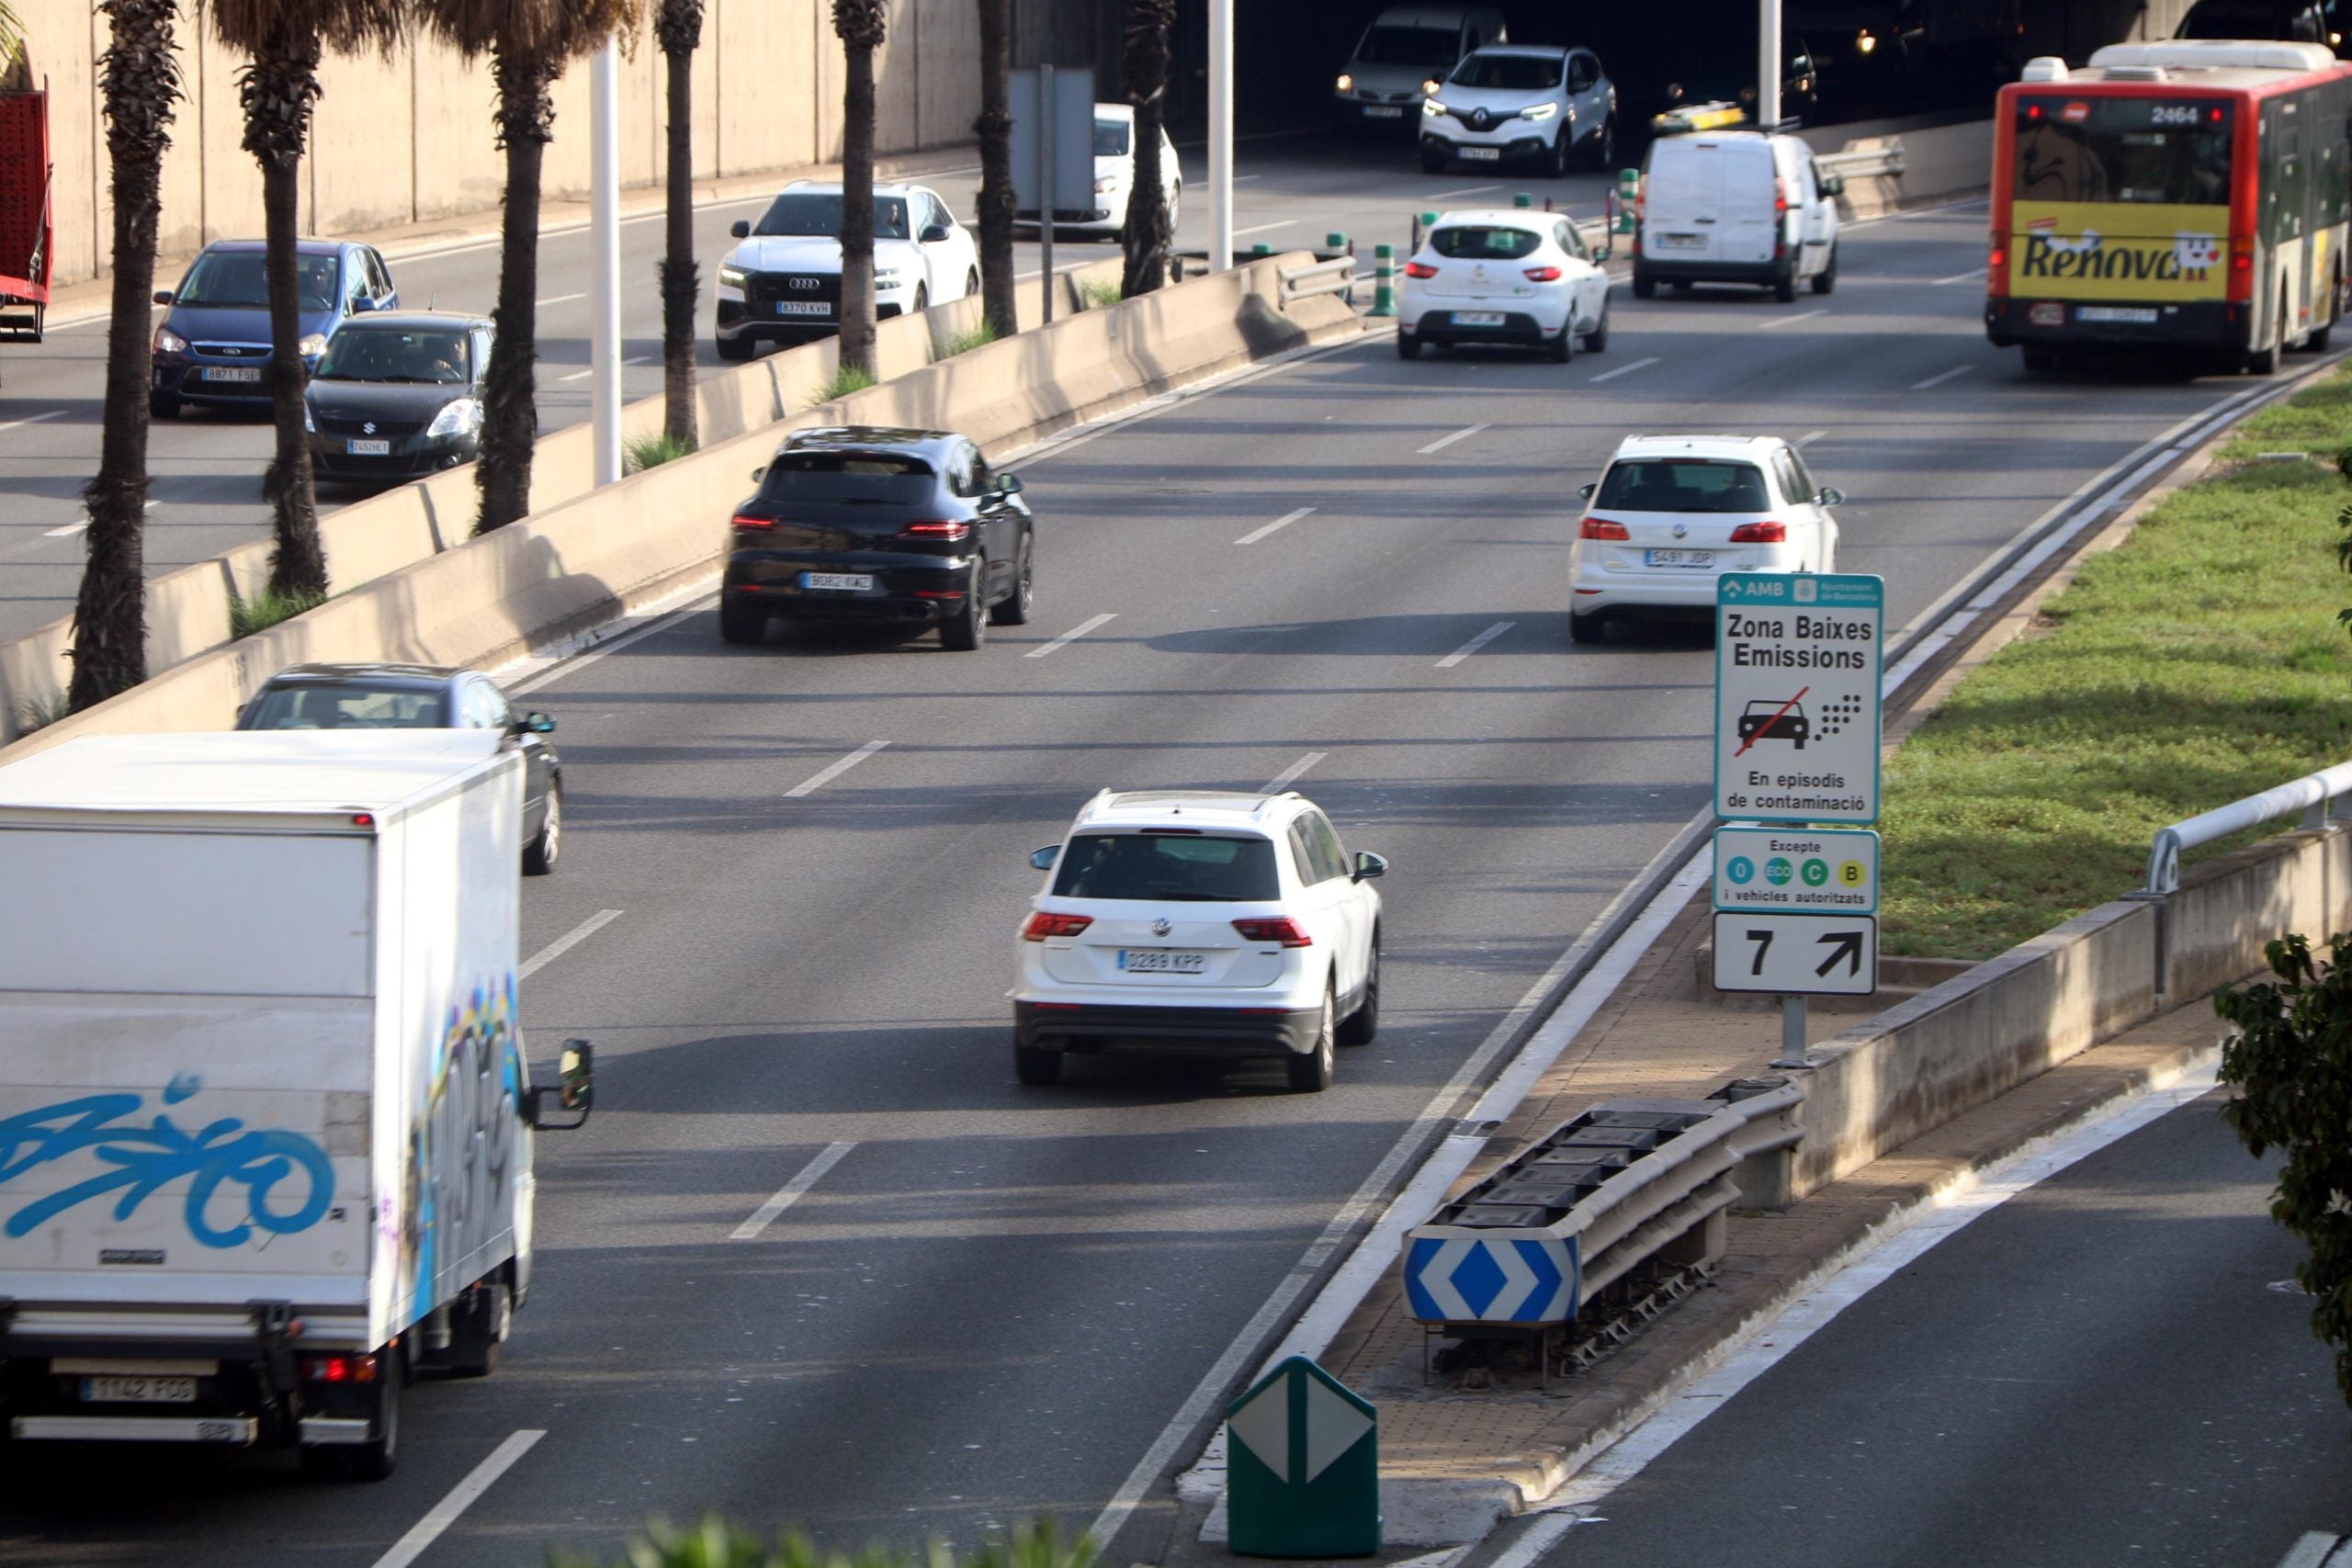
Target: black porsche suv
[863, 523]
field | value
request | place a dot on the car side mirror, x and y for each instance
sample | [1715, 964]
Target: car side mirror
[935, 233]
[1831, 185]
[1009, 483]
[1369, 865]
[741, 228]
[1830, 498]
[572, 1093]
[1584, 492]
[163, 296]
[538, 723]
[361, 302]
[1043, 859]
[758, 473]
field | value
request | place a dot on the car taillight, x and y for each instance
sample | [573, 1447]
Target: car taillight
[1543, 275]
[742, 522]
[1046, 923]
[1780, 196]
[1760, 533]
[1420, 269]
[1602, 528]
[944, 530]
[1281, 929]
[339, 1369]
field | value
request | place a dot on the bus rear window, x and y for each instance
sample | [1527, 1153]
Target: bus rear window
[2173, 152]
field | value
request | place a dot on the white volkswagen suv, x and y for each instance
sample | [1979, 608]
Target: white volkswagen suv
[1201, 921]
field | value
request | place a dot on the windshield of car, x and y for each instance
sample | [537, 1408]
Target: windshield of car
[819, 214]
[2174, 151]
[1508, 73]
[395, 353]
[224, 279]
[1111, 138]
[347, 705]
[1409, 46]
[1204, 868]
[1484, 242]
[875, 478]
[1683, 484]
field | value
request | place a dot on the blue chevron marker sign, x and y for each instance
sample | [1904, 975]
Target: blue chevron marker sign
[1526, 1281]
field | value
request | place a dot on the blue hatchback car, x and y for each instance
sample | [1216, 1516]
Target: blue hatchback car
[214, 339]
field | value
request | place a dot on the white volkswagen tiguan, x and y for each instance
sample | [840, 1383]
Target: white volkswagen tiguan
[1199, 921]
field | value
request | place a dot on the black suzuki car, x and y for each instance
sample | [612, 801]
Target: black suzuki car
[859, 524]
[399, 395]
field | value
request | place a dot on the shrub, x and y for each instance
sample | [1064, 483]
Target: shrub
[715, 1543]
[969, 339]
[1095, 293]
[36, 712]
[265, 609]
[847, 379]
[651, 451]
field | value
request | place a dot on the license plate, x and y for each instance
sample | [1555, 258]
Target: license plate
[1160, 961]
[1682, 242]
[837, 581]
[1478, 318]
[370, 448]
[1384, 111]
[1480, 155]
[137, 1391]
[803, 308]
[2140, 315]
[1679, 557]
[232, 372]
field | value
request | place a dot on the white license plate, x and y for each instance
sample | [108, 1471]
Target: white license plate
[2140, 315]
[1480, 155]
[1478, 318]
[837, 581]
[232, 372]
[137, 1391]
[370, 448]
[1160, 961]
[1679, 557]
[1384, 111]
[1681, 241]
[803, 308]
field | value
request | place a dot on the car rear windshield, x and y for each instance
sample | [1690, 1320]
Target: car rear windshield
[818, 214]
[1509, 72]
[1484, 242]
[394, 353]
[1111, 138]
[348, 706]
[885, 478]
[1683, 484]
[2174, 151]
[1409, 46]
[1202, 868]
[235, 278]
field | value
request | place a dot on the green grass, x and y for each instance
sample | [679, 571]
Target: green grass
[1095, 293]
[715, 1543]
[38, 713]
[265, 609]
[975, 336]
[651, 451]
[2197, 663]
[847, 379]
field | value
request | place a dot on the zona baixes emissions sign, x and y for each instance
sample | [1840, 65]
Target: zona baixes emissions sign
[1797, 696]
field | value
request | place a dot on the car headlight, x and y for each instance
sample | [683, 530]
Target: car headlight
[460, 418]
[169, 342]
[730, 276]
[1538, 111]
[890, 277]
[1431, 105]
[312, 345]
[1346, 83]
[1429, 88]
[1104, 185]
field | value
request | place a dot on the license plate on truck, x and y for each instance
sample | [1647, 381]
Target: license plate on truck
[137, 1391]
[1160, 961]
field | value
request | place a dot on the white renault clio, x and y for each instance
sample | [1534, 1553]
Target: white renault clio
[1199, 921]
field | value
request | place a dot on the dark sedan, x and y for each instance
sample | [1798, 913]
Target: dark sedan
[399, 396]
[424, 696]
[895, 526]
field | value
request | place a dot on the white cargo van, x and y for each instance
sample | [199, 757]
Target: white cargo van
[265, 1118]
[1734, 207]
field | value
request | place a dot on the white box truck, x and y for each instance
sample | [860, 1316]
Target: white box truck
[266, 1118]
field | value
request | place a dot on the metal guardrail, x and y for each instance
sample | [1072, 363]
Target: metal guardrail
[1337, 275]
[2313, 795]
[1887, 160]
[1622, 1183]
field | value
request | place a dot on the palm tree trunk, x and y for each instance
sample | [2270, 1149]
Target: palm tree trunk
[140, 79]
[278, 90]
[1000, 294]
[860, 25]
[1146, 238]
[510, 414]
[680, 29]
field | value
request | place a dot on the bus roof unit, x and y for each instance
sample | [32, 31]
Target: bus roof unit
[2213, 54]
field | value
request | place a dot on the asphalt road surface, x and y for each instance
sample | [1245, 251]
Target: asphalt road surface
[801, 867]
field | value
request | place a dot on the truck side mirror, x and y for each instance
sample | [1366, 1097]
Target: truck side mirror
[573, 1091]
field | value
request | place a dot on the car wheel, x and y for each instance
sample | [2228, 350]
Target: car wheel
[1784, 287]
[1585, 628]
[741, 623]
[1407, 345]
[1433, 163]
[1311, 1073]
[1644, 286]
[1014, 609]
[1563, 348]
[1825, 279]
[734, 350]
[1597, 340]
[1605, 143]
[1360, 1026]
[971, 283]
[923, 300]
[162, 405]
[1175, 208]
[539, 855]
[968, 629]
[1032, 1065]
[1555, 162]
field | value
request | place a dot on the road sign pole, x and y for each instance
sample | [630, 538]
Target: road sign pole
[1792, 1045]
[1045, 188]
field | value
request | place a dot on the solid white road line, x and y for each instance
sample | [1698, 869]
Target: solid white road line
[410, 1546]
[824, 776]
[560, 298]
[1443, 442]
[1955, 373]
[1071, 636]
[34, 419]
[790, 1193]
[1971, 276]
[69, 530]
[1284, 521]
[1263, 228]
[577, 376]
[566, 943]
[1475, 644]
[1536, 1541]
[1466, 190]
[1809, 437]
[1784, 321]
[1290, 775]
[1624, 370]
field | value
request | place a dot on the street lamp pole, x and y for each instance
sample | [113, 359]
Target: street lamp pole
[1768, 79]
[605, 244]
[1220, 134]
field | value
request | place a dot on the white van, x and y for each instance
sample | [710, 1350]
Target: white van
[1734, 207]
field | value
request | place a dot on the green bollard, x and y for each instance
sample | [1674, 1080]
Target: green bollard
[1629, 191]
[1383, 280]
[1262, 248]
[1302, 1467]
[1522, 199]
[1335, 241]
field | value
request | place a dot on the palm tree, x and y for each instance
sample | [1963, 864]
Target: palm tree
[994, 128]
[860, 24]
[678, 27]
[279, 83]
[1145, 237]
[528, 43]
[138, 80]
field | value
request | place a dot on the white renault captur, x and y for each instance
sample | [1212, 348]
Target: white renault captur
[1674, 512]
[1200, 921]
[1504, 275]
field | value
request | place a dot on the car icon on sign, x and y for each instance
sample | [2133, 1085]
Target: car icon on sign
[1767, 720]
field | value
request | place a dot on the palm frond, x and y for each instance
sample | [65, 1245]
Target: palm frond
[557, 29]
[343, 26]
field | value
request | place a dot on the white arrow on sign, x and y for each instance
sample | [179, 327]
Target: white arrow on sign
[1333, 1426]
[1262, 1427]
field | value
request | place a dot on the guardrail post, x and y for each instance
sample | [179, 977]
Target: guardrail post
[1383, 280]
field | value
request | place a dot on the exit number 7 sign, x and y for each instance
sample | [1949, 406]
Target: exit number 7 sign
[1796, 955]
